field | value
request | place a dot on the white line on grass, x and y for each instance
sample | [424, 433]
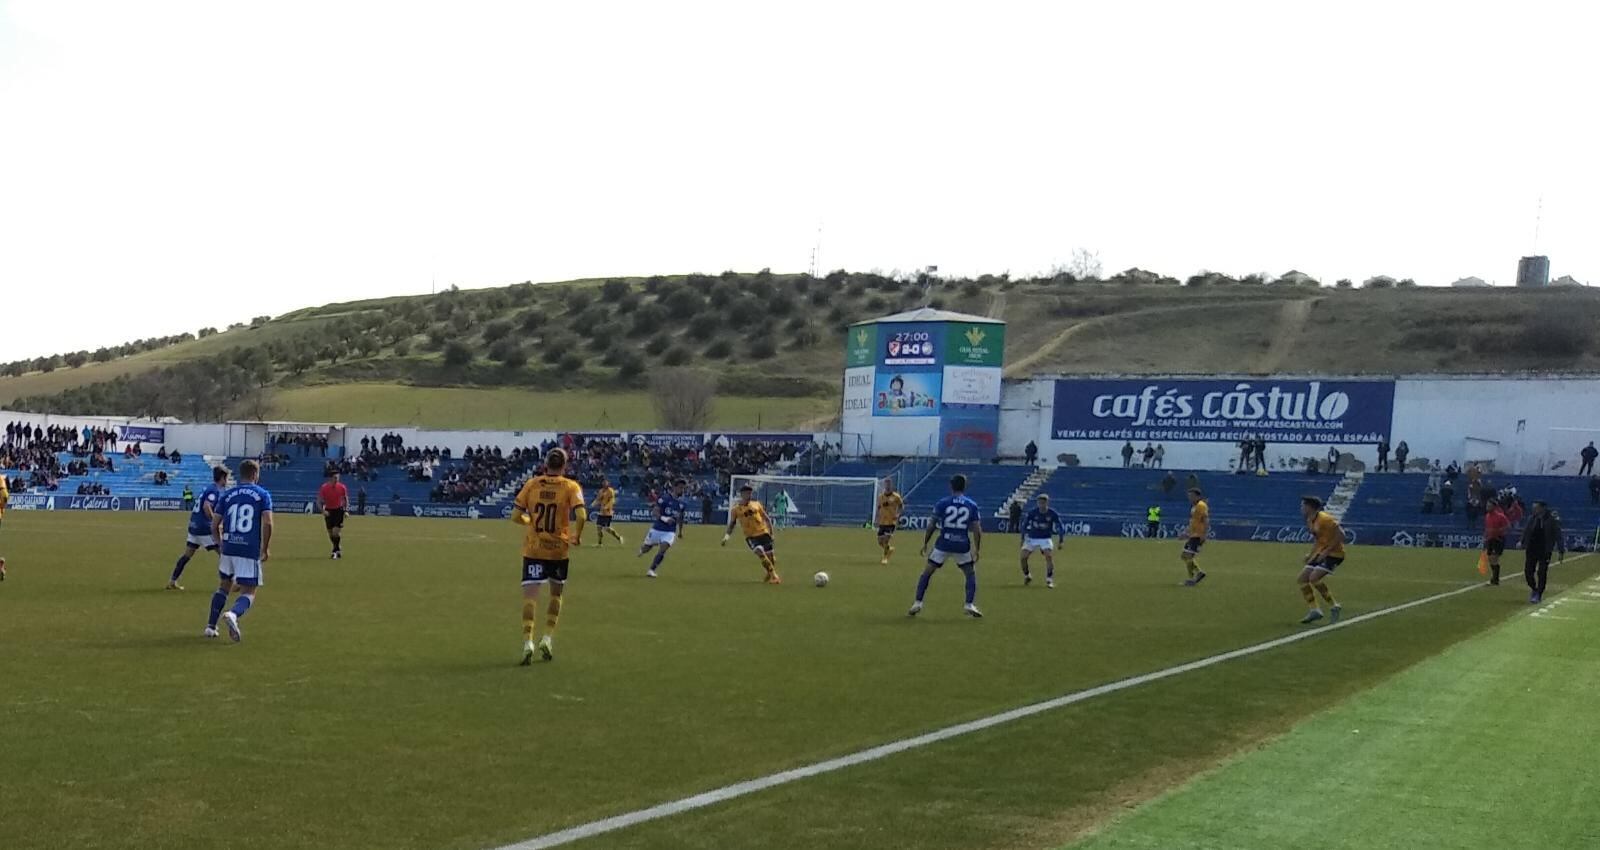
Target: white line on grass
[751, 786]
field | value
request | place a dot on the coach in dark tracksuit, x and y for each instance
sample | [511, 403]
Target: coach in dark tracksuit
[1541, 537]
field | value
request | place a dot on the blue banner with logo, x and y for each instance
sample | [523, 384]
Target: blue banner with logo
[1223, 411]
[971, 433]
[906, 393]
[143, 434]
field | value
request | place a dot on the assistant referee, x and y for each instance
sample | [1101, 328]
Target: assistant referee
[334, 499]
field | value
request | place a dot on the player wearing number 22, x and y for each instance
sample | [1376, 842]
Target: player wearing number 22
[551, 507]
[242, 522]
[957, 521]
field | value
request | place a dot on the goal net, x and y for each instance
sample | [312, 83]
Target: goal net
[812, 500]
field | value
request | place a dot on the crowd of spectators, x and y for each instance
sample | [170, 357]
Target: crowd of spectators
[648, 467]
[307, 444]
[481, 471]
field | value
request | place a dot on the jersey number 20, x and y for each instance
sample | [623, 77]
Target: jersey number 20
[544, 517]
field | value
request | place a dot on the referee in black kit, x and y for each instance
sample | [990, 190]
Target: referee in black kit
[1541, 536]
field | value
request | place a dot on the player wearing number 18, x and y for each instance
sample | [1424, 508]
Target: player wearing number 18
[242, 523]
[957, 521]
[551, 506]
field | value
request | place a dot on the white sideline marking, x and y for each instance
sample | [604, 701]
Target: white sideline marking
[751, 786]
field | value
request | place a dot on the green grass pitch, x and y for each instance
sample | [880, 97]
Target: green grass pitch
[376, 701]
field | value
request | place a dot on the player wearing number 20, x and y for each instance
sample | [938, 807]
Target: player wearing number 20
[551, 507]
[957, 521]
[242, 523]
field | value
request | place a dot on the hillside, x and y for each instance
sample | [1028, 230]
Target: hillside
[580, 353]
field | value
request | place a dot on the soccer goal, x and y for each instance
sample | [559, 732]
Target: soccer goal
[813, 500]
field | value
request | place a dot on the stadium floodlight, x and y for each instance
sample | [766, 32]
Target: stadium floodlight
[813, 499]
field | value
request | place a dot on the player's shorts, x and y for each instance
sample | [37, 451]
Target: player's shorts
[245, 571]
[1495, 548]
[334, 518]
[202, 541]
[658, 537]
[1327, 563]
[938, 556]
[602, 520]
[887, 530]
[760, 543]
[1192, 545]
[1030, 544]
[541, 570]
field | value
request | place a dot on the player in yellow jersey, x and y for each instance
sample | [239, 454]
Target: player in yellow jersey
[1325, 557]
[605, 506]
[752, 518]
[5, 499]
[1199, 527]
[551, 506]
[890, 506]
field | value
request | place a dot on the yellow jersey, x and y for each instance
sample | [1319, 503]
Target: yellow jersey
[1200, 519]
[549, 501]
[889, 507]
[606, 501]
[1330, 537]
[753, 519]
[5, 493]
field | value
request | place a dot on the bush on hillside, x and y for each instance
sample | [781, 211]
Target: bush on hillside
[648, 319]
[744, 312]
[1344, 283]
[719, 349]
[496, 331]
[457, 354]
[628, 302]
[876, 304]
[630, 365]
[705, 325]
[614, 289]
[683, 302]
[658, 343]
[402, 347]
[806, 337]
[675, 356]
[577, 300]
[761, 348]
[571, 361]
[1567, 337]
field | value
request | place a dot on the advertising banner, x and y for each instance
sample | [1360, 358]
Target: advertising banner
[971, 433]
[857, 392]
[972, 386]
[906, 394]
[861, 346]
[974, 344]
[143, 434]
[1161, 409]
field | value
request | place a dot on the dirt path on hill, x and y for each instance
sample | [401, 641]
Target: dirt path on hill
[1291, 322]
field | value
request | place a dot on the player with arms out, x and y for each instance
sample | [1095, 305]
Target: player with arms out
[201, 518]
[1037, 527]
[551, 506]
[242, 524]
[752, 518]
[1199, 527]
[605, 507]
[957, 521]
[333, 501]
[1326, 557]
[890, 506]
[668, 524]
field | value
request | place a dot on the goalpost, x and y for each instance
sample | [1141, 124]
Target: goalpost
[812, 500]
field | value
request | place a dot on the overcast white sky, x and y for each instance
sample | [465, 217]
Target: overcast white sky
[168, 165]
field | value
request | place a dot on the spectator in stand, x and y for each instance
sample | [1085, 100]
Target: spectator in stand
[1015, 517]
[1333, 459]
[1452, 471]
[1193, 483]
[1031, 453]
[1148, 455]
[1247, 451]
[1161, 454]
[1169, 482]
[1261, 452]
[1383, 455]
[1401, 452]
[1127, 454]
[161, 453]
[1447, 496]
[1430, 494]
[1594, 489]
[1588, 455]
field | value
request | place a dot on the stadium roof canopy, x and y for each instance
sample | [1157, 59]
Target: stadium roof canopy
[928, 314]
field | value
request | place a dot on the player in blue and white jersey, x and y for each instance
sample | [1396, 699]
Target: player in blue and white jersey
[959, 524]
[669, 513]
[200, 525]
[1038, 527]
[242, 524]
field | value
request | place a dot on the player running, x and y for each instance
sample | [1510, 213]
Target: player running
[669, 514]
[890, 505]
[1323, 560]
[242, 524]
[957, 521]
[1199, 527]
[201, 518]
[1037, 527]
[605, 506]
[551, 506]
[333, 501]
[752, 517]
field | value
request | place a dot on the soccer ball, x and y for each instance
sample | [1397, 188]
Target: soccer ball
[820, 579]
